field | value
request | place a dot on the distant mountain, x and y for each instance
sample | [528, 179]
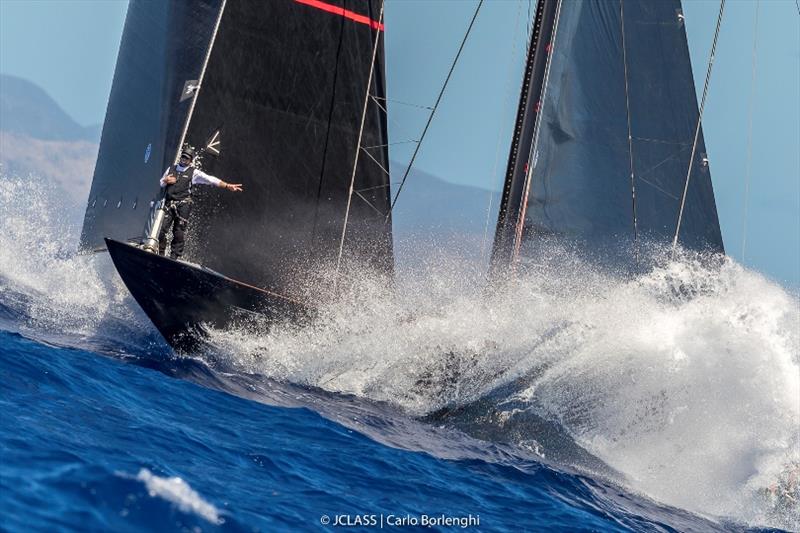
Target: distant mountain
[67, 164]
[39, 139]
[26, 109]
[429, 202]
[434, 216]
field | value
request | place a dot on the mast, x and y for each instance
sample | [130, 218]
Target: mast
[522, 142]
[608, 113]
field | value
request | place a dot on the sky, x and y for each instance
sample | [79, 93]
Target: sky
[69, 48]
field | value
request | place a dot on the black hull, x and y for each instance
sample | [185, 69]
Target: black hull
[183, 299]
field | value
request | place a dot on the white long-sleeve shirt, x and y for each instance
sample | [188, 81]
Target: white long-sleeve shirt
[198, 177]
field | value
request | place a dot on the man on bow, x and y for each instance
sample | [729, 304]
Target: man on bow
[177, 183]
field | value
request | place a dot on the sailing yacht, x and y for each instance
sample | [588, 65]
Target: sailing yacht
[275, 94]
[289, 98]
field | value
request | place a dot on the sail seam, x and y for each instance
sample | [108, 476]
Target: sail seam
[200, 80]
[328, 130]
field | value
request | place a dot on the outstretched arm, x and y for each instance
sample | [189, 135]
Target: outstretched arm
[206, 179]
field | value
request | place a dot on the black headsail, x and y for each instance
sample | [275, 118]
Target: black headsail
[612, 136]
[279, 110]
[160, 59]
[284, 94]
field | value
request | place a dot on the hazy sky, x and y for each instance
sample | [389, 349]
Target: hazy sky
[69, 48]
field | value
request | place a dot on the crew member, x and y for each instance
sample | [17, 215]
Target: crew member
[177, 183]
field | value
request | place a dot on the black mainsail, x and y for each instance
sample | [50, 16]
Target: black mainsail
[284, 93]
[275, 92]
[612, 132]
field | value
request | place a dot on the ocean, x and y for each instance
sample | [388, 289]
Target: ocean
[571, 400]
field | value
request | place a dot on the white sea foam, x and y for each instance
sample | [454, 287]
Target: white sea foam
[62, 290]
[694, 398]
[176, 491]
[686, 379]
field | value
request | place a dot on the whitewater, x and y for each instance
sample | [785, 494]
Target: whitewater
[680, 385]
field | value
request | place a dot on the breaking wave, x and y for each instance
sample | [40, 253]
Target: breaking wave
[46, 287]
[685, 380]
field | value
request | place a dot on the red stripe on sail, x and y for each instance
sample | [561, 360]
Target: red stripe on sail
[346, 13]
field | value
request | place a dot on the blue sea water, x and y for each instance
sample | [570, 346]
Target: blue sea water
[576, 404]
[79, 429]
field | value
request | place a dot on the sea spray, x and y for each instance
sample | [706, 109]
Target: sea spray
[56, 288]
[685, 379]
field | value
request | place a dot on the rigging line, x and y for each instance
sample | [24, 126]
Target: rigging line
[374, 99]
[530, 22]
[697, 129]
[499, 133]
[660, 141]
[386, 112]
[748, 167]
[358, 148]
[381, 213]
[200, 81]
[372, 188]
[658, 188]
[401, 102]
[664, 161]
[630, 135]
[331, 107]
[390, 144]
[433, 111]
[376, 161]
